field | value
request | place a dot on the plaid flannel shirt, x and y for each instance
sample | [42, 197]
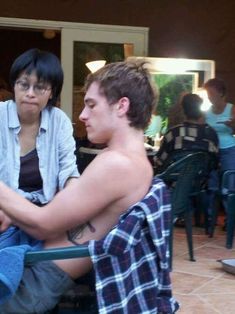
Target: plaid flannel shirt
[185, 138]
[131, 262]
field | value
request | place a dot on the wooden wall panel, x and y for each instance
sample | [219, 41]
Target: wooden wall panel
[182, 28]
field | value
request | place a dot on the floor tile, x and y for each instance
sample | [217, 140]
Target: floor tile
[202, 287]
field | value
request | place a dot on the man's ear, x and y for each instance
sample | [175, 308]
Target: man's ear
[123, 106]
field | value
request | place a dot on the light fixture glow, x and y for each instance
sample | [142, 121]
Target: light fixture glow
[206, 102]
[95, 65]
[174, 65]
[49, 33]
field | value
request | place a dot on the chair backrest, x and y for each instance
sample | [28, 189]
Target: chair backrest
[186, 176]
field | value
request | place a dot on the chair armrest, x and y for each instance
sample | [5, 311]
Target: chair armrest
[57, 253]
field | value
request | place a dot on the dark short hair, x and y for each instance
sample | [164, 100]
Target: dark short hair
[129, 79]
[217, 84]
[191, 104]
[46, 66]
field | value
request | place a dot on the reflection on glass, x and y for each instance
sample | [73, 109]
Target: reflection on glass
[171, 87]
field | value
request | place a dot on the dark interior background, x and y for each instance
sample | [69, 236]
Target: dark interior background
[14, 42]
[182, 28]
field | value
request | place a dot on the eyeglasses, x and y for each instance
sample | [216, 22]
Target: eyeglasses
[39, 89]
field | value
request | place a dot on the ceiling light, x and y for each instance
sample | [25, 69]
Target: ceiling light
[95, 65]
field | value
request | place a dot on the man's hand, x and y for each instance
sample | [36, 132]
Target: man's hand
[5, 221]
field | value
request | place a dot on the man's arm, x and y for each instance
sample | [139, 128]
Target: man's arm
[100, 185]
[5, 221]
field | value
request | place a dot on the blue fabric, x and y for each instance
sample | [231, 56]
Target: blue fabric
[225, 133]
[132, 262]
[14, 243]
[226, 151]
[55, 147]
[214, 181]
[227, 158]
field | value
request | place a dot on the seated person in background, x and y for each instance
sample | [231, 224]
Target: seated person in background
[190, 136]
[5, 94]
[36, 139]
[154, 127]
[176, 114]
[118, 104]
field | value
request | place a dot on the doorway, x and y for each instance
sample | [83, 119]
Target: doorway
[68, 35]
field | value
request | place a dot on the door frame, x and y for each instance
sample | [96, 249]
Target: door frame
[70, 32]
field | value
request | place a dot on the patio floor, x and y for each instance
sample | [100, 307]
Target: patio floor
[202, 287]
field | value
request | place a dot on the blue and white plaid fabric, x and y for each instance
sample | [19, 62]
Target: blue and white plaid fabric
[131, 262]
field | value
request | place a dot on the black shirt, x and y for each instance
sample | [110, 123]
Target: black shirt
[30, 177]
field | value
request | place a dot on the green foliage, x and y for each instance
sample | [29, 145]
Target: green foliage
[171, 86]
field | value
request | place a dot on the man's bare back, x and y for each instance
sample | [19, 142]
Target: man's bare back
[138, 179]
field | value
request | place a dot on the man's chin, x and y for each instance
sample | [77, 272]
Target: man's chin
[96, 141]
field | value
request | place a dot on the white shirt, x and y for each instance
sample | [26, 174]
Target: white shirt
[55, 147]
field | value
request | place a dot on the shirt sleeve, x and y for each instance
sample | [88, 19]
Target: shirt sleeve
[67, 157]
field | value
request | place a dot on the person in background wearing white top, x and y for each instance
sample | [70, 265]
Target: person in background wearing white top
[154, 127]
[221, 117]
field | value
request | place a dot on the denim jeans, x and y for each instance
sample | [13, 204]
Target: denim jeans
[227, 162]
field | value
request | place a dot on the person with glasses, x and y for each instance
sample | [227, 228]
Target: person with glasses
[36, 139]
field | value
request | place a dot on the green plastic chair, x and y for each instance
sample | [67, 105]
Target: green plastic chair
[228, 190]
[56, 254]
[186, 178]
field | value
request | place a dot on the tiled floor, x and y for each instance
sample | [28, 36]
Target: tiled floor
[202, 287]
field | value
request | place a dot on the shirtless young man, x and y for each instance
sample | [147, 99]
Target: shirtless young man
[118, 104]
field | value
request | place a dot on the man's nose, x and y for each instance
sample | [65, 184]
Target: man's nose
[82, 116]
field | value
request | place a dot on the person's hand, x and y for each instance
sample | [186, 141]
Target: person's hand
[230, 123]
[5, 221]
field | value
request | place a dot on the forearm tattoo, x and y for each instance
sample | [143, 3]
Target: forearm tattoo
[77, 233]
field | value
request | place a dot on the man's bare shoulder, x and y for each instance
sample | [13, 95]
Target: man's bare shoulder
[119, 163]
[118, 174]
[106, 188]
